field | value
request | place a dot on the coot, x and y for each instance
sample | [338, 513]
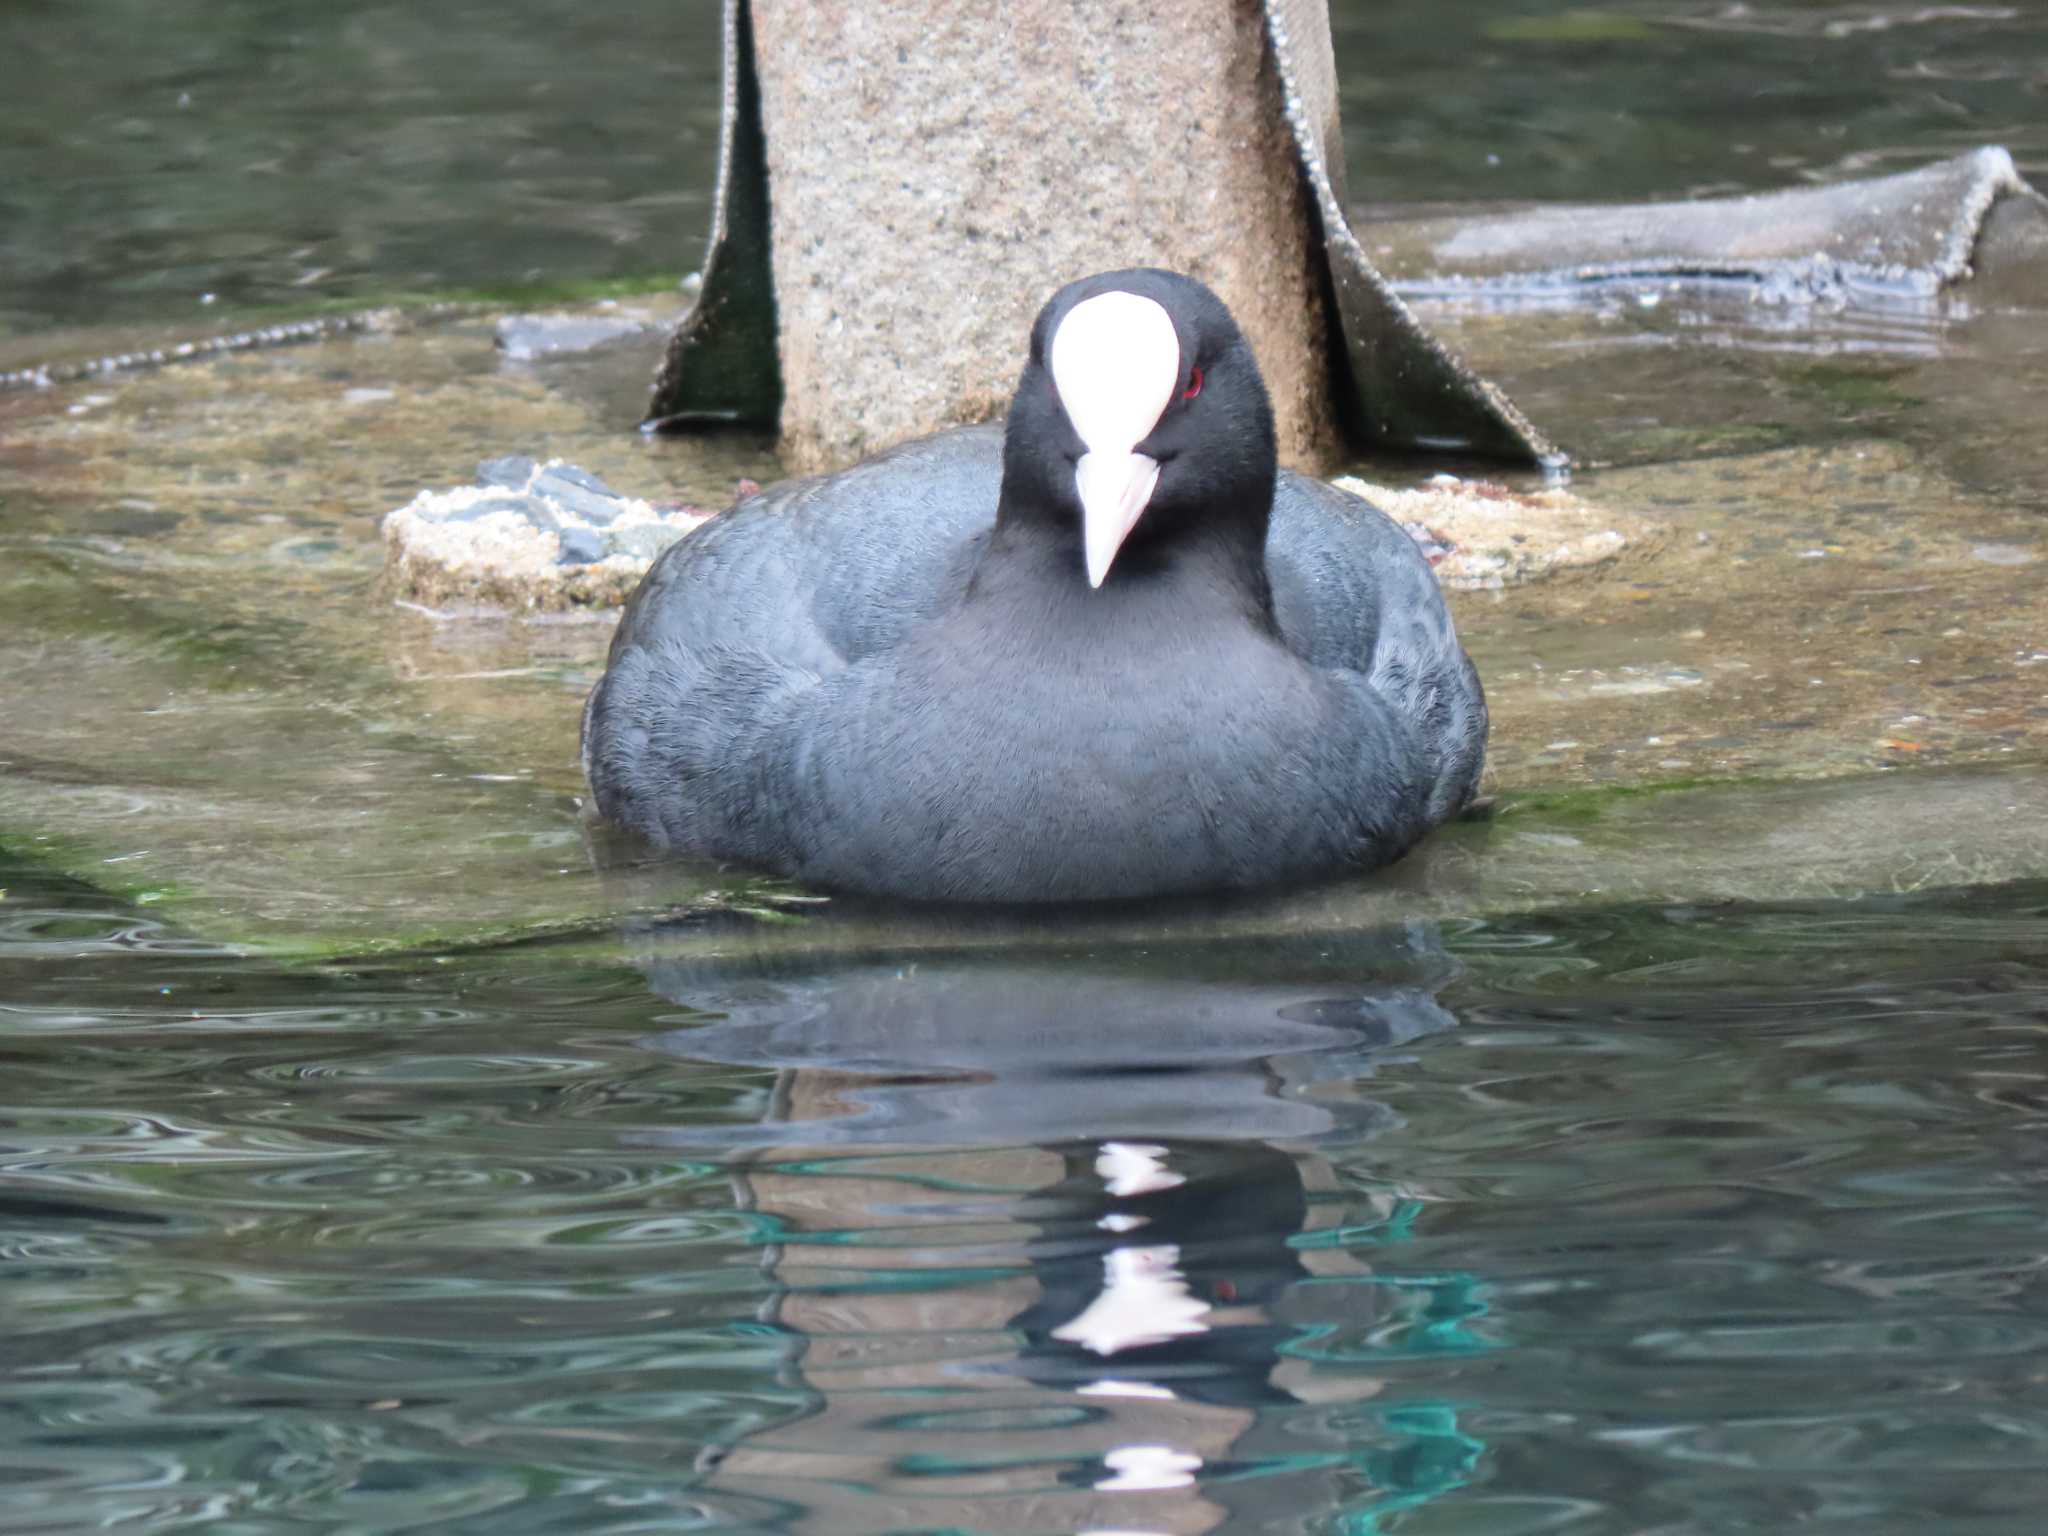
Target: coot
[1107, 652]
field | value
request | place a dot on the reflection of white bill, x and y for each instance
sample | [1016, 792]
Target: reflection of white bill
[1144, 1300]
[1134, 1168]
[1146, 1468]
[1111, 1386]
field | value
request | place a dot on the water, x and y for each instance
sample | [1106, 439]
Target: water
[1691, 1220]
[197, 161]
[192, 161]
[1533, 99]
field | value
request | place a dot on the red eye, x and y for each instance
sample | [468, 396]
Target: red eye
[1194, 385]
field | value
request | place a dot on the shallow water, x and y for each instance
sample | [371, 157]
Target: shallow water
[1537, 99]
[1686, 1219]
[188, 161]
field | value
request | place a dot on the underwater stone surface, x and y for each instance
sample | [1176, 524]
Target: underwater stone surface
[214, 704]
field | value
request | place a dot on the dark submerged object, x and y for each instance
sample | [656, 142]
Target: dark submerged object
[1110, 652]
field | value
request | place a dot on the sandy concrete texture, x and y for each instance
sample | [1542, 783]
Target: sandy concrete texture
[936, 173]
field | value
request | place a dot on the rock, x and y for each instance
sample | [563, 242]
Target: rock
[641, 542]
[513, 471]
[579, 492]
[579, 546]
[959, 161]
[528, 536]
[557, 475]
[528, 507]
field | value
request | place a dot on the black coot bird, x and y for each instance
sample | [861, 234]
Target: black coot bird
[1108, 652]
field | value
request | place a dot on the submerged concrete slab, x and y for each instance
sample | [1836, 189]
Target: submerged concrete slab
[1795, 689]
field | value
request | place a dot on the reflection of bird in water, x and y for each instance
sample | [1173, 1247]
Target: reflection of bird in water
[985, 1044]
[1052, 1235]
[1167, 1284]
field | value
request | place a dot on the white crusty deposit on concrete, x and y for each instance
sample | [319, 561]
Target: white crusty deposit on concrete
[528, 536]
[1480, 535]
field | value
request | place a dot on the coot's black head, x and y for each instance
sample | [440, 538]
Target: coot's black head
[1141, 421]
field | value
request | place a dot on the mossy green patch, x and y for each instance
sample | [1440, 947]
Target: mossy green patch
[1861, 391]
[1587, 805]
[34, 857]
[1572, 27]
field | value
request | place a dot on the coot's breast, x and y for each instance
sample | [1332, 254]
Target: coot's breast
[971, 772]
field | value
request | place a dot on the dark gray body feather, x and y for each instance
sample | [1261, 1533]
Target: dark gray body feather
[851, 681]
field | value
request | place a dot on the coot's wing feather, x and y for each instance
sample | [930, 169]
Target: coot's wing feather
[1351, 592]
[736, 624]
[832, 568]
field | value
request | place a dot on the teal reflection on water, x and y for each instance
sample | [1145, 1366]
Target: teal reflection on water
[1632, 1218]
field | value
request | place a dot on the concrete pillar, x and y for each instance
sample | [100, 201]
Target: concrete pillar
[935, 172]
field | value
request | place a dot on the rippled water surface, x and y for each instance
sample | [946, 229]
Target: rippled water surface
[191, 161]
[1672, 98]
[1704, 1219]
